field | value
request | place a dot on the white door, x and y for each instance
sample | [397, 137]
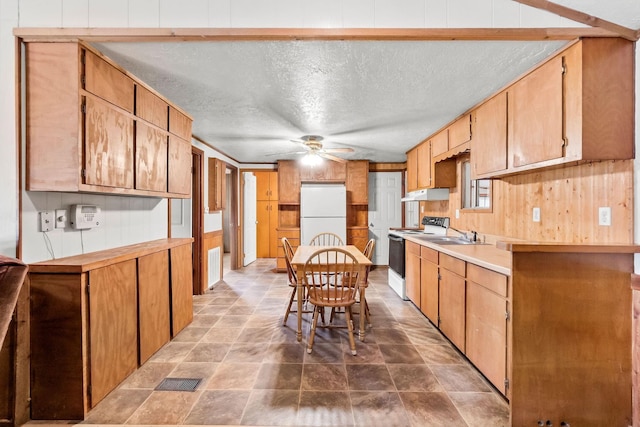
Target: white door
[385, 211]
[250, 229]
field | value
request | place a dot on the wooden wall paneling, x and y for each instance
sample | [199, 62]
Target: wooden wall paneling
[558, 338]
[57, 323]
[108, 146]
[151, 158]
[181, 288]
[153, 307]
[113, 324]
[107, 82]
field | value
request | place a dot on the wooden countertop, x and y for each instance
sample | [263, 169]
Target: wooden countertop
[90, 261]
[568, 247]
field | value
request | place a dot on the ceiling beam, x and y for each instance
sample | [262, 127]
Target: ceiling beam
[267, 34]
[583, 18]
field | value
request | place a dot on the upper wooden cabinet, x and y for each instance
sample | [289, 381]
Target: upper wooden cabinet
[424, 165]
[412, 170]
[328, 170]
[217, 185]
[489, 143]
[266, 185]
[460, 131]
[91, 127]
[440, 143]
[357, 182]
[288, 182]
[578, 106]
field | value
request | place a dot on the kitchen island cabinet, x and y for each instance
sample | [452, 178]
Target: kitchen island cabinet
[548, 324]
[96, 317]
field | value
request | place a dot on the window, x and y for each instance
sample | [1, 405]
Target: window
[476, 193]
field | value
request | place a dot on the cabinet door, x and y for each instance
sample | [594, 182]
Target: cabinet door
[113, 327]
[153, 303]
[288, 182]
[358, 182]
[262, 185]
[263, 216]
[273, 185]
[151, 158]
[489, 143]
[273, 229]
[486, 344]
[108, 146]
[181, 287]
[460, 131]
[151, 108]
[429, 289]
[179, 167]
[536, 116]
[412, 170]
[440, 143]
[412, 272]
[107, 82]
[452, 307]
[424, 165]
[179, 124]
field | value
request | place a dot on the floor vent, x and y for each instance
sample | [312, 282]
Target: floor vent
[179, 384]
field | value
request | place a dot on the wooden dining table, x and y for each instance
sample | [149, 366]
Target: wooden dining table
[300, 257]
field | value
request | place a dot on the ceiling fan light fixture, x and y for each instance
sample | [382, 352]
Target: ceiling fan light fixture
[311, 159]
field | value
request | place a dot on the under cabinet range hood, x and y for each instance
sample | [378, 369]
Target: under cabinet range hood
[427, 194]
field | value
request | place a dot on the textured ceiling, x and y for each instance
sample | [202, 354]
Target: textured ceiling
[250, 98]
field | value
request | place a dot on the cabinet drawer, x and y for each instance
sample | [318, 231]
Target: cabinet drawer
[491, 280]
[412, 248]
[429, 254]
[452, 264]
[289, 234]
[358, 232]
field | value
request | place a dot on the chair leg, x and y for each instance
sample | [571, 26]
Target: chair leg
[352, 341]
[286, 314]
[314, 324]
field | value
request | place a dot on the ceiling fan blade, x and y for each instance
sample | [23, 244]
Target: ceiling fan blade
[338, 150]
[330, 157]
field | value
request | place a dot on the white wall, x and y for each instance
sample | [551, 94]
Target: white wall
[136, 219]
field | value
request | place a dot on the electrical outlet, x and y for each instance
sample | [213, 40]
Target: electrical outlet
[536, 214]
[604, 215]
[457, 213]
[46, 221]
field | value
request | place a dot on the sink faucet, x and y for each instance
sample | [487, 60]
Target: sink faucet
[463, 235]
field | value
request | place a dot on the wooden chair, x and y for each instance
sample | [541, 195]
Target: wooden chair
[326, 239]
[292, 279]
[331, 280]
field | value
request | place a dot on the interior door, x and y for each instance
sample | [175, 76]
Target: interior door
[249, 223]
[385, 211]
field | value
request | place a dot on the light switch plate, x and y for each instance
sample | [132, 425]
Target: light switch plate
[536, 214]
[604, 215]
[61, 218]
[46, 221]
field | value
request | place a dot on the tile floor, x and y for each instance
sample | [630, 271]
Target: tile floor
[255, 373]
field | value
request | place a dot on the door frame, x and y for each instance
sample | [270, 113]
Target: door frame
[235, 245]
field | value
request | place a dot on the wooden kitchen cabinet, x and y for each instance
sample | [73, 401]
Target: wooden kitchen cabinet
[440, 143]
[93, 314]
[429, 283]
[460, 131]
[489, 143]
[217, 186]
[412, 170]
[87, 108]
[288, 182]
[293, 235]
[424, 165]
[452, 299]
[266, 185]
[487, 315]
[578, 106]
[412, 271]
[357, 182]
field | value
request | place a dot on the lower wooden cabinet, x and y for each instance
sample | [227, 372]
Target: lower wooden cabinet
[452, 299]
[429, 284]
[96, 317]
[293, 235]
[412, 271]
[358, 236]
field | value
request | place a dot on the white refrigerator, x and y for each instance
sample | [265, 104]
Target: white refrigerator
[323, 208]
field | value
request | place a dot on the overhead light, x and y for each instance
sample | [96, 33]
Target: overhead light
[311, 159]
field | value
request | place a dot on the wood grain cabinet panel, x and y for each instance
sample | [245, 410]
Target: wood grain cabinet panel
[288, 182]
[424, 165]
[357, 182]
[107, 82]
[108, 146]
[151, 158]
[179, 124]
[489, 143]
[440, 143]
[412, 272]
[460, 131]
[113, 327]
[217, 185]
[429, 284]
[179, 166]
[452, 300]
[266, 185]
[151, 108]
[181, 261]
[153, 307]
[267, 213]
[412, 170]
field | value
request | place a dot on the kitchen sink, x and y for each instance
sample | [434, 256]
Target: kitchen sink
[446, 240]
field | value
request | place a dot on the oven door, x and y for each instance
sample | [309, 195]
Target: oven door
[396, 254]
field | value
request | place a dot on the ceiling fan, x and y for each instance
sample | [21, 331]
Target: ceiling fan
[314, 150]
